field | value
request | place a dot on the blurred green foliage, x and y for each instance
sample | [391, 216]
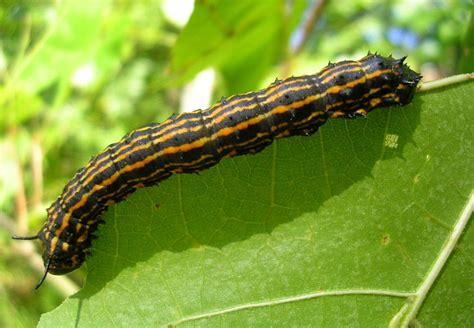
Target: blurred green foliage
[76, 76]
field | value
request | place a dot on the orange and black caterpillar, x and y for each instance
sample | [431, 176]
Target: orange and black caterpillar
[191, 142]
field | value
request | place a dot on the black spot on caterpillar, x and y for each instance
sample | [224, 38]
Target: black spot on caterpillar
[191, 142]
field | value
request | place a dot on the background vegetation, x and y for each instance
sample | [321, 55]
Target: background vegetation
[76, 76]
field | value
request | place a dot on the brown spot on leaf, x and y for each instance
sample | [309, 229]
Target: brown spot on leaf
[386, 239]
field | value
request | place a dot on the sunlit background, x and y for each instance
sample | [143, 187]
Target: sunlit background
[75, 76]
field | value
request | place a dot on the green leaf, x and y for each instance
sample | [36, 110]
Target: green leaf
[338, 229]
[233, 35]
[77, 37]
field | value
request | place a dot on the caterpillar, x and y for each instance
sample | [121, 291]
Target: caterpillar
[191, 142]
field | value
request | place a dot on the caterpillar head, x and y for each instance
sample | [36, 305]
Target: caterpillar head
[62, 253]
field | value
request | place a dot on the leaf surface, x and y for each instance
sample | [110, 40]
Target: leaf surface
[336, 229]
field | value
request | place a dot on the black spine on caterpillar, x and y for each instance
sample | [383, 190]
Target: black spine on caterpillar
[191, 142]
